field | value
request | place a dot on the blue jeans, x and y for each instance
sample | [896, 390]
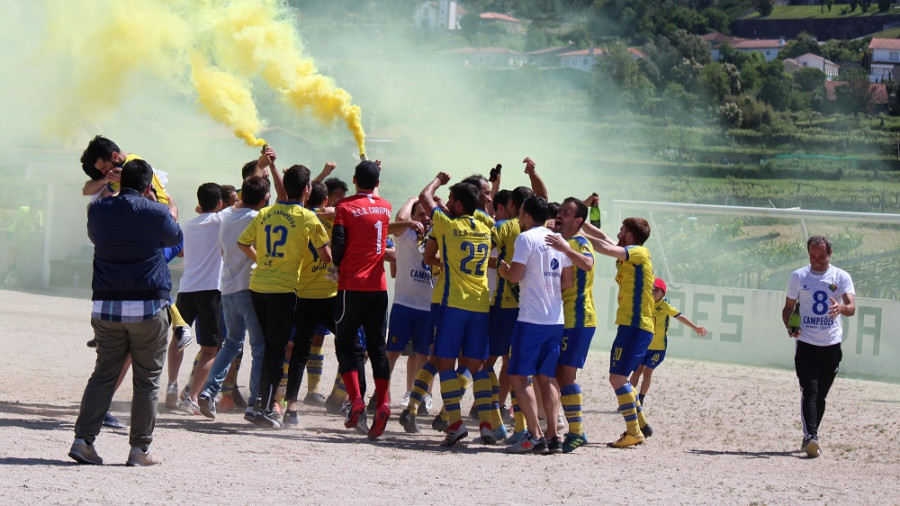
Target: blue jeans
[240, 318]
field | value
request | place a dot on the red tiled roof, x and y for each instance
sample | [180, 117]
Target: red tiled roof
[596, 51]
[599, 51]
[884, 44]
[758, 44]
[482, 50]
[498, 16]
[547, 50]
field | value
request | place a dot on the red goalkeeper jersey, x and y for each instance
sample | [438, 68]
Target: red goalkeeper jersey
[365, 219]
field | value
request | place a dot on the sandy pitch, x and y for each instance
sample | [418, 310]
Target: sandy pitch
[723, 434]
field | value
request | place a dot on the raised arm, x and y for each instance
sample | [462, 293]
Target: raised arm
[267, 159]
[537, 184]
[427, 194]
[326, 171]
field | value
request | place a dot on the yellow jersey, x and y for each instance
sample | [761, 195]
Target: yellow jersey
[314, 274]
[503, 237]
[282, 234]
[578, 301]
[465, 246]
[634, 275]
[662, 311]
[161, 195]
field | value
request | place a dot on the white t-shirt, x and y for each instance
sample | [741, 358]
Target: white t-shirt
[813, 291]
[414, 284]
[540, 297]
[236, 266]
[202, 256]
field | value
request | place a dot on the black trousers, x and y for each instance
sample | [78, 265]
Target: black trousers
[368, 310]
[275, 312]
[310, 313]
[816, 368]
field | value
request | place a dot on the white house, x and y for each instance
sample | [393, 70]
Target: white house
[769, 48]
[508, 23]
[810, 60]
[441, 14]
[585, 59]
[488, 57]
[884, 58]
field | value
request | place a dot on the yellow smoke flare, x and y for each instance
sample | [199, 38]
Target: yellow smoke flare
[218, 47]
[227, 100]
[254, 37]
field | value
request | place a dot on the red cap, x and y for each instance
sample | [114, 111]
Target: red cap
[659, 283]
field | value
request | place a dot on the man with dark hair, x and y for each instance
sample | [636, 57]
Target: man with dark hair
[337, 190]
[102, 161]
[580, 318]
[359, 238]
[820, 294]
[634, 317]
[276, 240]
[316, 293]
[199, 297]
[461, 322]
[237, 305]
[542, 275]
[131, 289]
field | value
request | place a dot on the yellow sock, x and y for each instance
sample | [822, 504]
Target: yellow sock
[642, 422]
[420, 387]
[175, 317]
[628, 409]
[518, 416]
[571, 398]
[314, 369]
[451, 393]
[482, 391]
[496, 418]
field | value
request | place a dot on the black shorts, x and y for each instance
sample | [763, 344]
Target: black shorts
[205, 309]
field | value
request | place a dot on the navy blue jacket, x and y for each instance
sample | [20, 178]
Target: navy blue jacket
[129, 233]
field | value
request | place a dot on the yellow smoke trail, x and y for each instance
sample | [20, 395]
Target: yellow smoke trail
[227, 100]
[218, 47]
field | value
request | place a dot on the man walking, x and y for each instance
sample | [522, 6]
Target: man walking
[131, 288]
[821, 293]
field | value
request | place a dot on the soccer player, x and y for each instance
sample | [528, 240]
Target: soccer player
[411, 310]
[359, 241]
[580, 318]
[103, 160]
[656, 352]
[462, 321]
[277, 239]
[634, 317]
[823, 293]
[316, 296]
[542, 275]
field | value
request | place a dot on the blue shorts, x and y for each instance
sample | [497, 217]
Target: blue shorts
[575, 345]
[460, 331]
[653, 358]
[408, 324]
[322, 330]
[628, 349]
[535, 349]
[503, 321]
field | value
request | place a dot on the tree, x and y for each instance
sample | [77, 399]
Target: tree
[884, 5]
[765, 7]
[805, 43]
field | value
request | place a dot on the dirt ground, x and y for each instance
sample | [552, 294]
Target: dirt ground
[723, 434]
